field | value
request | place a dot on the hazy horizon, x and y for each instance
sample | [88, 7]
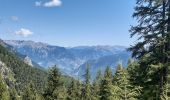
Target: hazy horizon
[70, 46]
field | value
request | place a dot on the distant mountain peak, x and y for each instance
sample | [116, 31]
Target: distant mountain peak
[71, 61]
[30, 43]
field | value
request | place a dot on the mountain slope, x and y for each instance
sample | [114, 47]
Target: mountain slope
[71, 61]
[23, 73]
[45, 55]
[7, 74]
[95, 52]
[101, 64]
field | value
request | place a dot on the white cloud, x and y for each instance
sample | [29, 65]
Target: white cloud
[14, 18]
[38, 3]
[51, 3]
[24, 32]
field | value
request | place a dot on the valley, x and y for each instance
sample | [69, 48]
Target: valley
[72, 61]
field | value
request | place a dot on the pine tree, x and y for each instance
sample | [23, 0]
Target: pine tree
[120, 83]
[137, 77]
[152, 50]
[30, 92]
[134, 72]
[13, 94]
[54, 83]
[60, 93]
[96, 86]
[73, 90]
[79, 88]
[106, 87]
[4, 93]
[99, 77]
[86, 90]
[122, 87]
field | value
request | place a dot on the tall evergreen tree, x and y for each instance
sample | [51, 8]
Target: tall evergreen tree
[120, 83]
[106, 87]
[73, 91]
[122, 87]
[153, 47]
[53, 84]
[86, 90]
[78, 84]
[60, 93]
[29, 93]
[133, 71]
[96, 86]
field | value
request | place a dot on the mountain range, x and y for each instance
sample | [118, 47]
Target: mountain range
[71, 61]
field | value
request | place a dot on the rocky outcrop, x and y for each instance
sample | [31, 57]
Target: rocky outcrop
[7, 74]
[28, 61]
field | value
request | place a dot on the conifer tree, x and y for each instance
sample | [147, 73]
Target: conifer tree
[152, 50]
[96, 86]
[29, 93]
[99, 77]
[122, 87]
[86, 90]
[133, 72]
[13, 94]
[120, 83]
[73, 90]
[60, 93]
[53, 84]
[106, 87]
[79, 88]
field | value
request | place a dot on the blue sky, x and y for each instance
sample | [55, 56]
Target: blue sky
[68, 22]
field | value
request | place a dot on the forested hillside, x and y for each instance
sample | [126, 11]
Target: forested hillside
[19, 80]
[22, 72]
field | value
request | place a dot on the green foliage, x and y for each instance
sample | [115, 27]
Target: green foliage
[86, 90]
[29, 93]
[96, 86]
[122, 87]
[106, 87]
[23, 73]
[55, 89]
[74, 90]
[4, 94]
[60, 93]
[152, 49]
[165, 91]
[13, 94]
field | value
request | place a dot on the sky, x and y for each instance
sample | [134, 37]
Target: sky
[68, 22]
